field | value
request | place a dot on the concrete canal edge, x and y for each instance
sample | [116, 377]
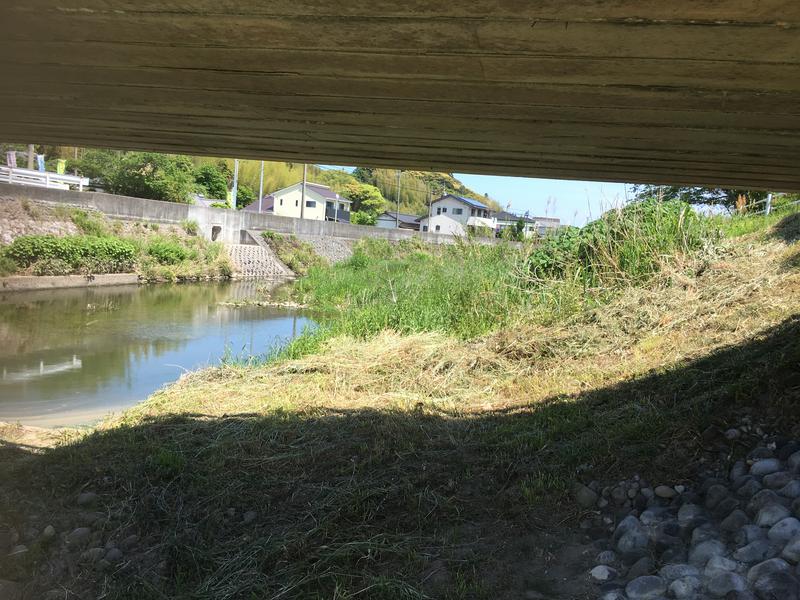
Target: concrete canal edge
[18, 283]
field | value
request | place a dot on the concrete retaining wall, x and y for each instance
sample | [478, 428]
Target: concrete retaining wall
[215, 223]
[32, 282]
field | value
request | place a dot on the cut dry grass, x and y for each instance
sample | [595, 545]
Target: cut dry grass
[378, 464]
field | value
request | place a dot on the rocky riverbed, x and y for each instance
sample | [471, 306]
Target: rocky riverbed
[734, 534]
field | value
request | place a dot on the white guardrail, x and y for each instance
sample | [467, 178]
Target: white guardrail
[44, 179]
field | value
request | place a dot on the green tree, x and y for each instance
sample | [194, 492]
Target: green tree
[363, 218]
[697, 195]
[151, 175]
[244, 195]
[96, 164]
[212, 181]
[365, 198]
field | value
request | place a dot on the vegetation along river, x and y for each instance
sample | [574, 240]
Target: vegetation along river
[70, 357]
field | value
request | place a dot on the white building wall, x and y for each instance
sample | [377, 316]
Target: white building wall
[454, 209]
[445, 224]
[287, 203]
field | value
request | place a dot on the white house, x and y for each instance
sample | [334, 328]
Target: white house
[455, 215]
[534, 226]
[321, 203]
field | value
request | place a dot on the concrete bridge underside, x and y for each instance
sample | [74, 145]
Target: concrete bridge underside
[663, 91]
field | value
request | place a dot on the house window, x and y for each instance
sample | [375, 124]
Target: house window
[424, 228]
[311, 204]
[472, 213]
[458, 211]
[297, 202]
[280, 202]
[444, 210]
[329, 204]
[438, 210]
[438, 228]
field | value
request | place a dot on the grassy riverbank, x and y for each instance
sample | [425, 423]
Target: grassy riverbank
[87, 243]
[394, 459]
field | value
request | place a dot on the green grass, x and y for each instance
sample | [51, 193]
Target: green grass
[740, 225]
[296, 254]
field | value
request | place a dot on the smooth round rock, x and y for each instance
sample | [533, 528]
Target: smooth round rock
[666, 492]
[584, 496]
[49, 532]
[648, 587]
[717, 564]
[113, 556]
[790, 490]
[765, 466]
[700, 554]
[777, 480]
[771, 514]
[643, 566]
[722, 583]
[762, 499]
[606, 557]
[791, 552]
[768, 568]
[86, 499]
[602, 573]
[749, 533]
[676, 571]
[715, 494]
[79, 536]
[735, 521]
[784, 530]
[750, 488]
[778, 586]
[688, 514]
[685, 588]
[757, 551]
[92, 555]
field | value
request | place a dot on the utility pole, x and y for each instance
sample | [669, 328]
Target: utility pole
[430, 204]
[261, 186]
[397, 214]
[30, 157]
[769, 204]
[235, 190]
[303, 193]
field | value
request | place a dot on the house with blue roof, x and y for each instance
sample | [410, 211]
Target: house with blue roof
[456, 215]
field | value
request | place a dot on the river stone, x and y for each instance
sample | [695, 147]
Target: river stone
[762, 499]
[619, 495]
[584, 496]
[703, 533]
[676, 571]
[778, 586]
[784, 530]
[765, 466]
[688, 513]
[735, 521]
[664, 491]
[643, 566]
[749, 489]
[739, 469]
[654, 515]
[790, 490]
[86, 499]
[49, 532]
[700, 554]
[757, 551]
[725, 507]
[717, 564]
[602, 573]
[715, 494]
[685, 588]
[791, 551]
[113, 556]
[771, 514]
[648, 587]
[606, 557]
[722, 583]
[794, 462]
[79, 537]
[749, 533]
[613, 595]
[777, 480]
[768, 568]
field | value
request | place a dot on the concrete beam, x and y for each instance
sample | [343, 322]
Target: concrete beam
[691, 91]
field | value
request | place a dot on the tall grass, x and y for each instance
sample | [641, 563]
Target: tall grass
[469, 289]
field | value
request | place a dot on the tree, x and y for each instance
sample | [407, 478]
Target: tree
[365, 197]
[244, 195]
[95, 164]
[212, 181]
[363, 218]
[698, 195]
[151, 175]
[516, 232]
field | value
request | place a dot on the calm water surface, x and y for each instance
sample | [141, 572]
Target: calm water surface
[70, 357]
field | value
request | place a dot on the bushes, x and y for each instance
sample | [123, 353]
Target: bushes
[116, 255]
[299, 256]
[52, 266]
[628, 245]
[190, 227]
[89, 224]
[166, 251]
[8, 266]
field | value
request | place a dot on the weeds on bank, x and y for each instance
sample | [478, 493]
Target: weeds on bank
[296, 254]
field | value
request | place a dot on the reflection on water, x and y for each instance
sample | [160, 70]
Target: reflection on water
[69, 357]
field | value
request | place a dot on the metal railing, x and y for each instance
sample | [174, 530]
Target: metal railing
[44, 179]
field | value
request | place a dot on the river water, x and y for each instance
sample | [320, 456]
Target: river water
[70, 357]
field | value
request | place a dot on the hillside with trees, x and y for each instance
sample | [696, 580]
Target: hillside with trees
[175, 178]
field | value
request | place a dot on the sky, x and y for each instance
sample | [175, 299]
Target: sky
[574, 202]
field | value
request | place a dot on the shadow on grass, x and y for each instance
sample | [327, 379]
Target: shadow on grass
[374, 503]
[788, 228]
